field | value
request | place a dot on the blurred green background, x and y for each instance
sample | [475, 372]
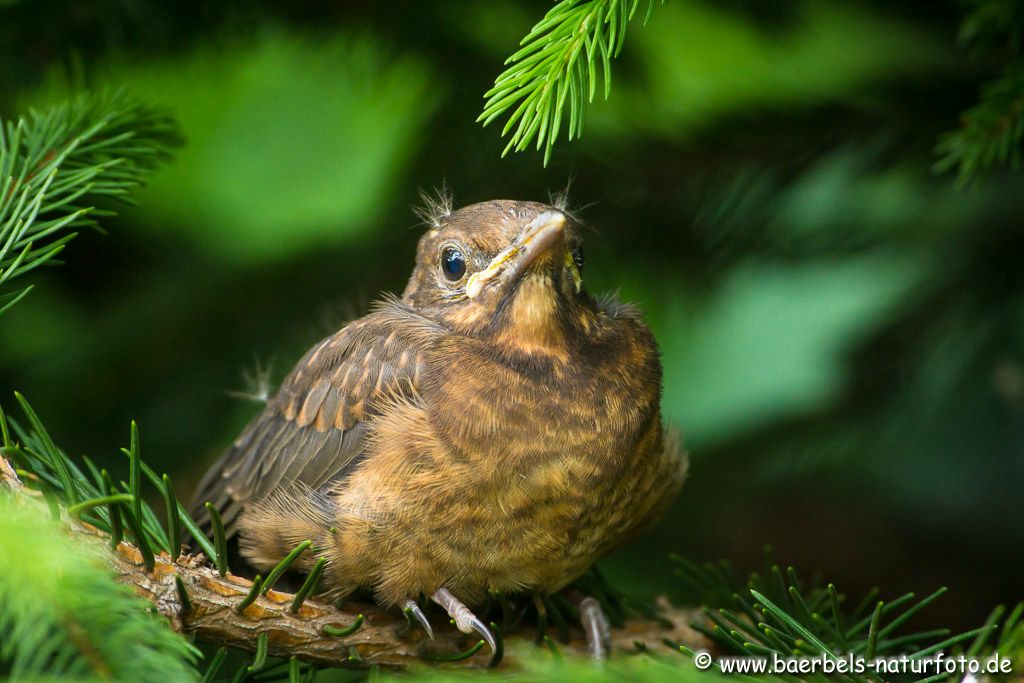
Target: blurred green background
[842, 328]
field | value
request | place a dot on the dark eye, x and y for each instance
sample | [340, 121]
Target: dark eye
[453, 263]
[577, 258]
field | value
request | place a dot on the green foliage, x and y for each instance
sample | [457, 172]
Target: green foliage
[557, 64]
[990, 132]
[779, 613]
[63, 614]
[559, 60]
[697, 63]
[91, 494]
[776, 335]
[293, 143]
[701, 67]
[57, 163]
[993, 24]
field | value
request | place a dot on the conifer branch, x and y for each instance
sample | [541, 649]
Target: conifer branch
[62, 614]
[557, 65]
[57, 164]
[991, 131]
[777, 613]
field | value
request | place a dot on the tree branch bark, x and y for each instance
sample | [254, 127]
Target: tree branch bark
[383, 639]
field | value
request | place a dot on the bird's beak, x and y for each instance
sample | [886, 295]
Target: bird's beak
[540, 235]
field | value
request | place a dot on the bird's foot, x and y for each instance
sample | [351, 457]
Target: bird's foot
[465, 620]
[595, 627]
[416, 611]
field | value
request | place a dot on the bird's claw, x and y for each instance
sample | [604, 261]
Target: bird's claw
[416, 611]
[480, 627]
[465, 620]
[595, 627]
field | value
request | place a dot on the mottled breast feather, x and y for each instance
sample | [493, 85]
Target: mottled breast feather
[314, 430]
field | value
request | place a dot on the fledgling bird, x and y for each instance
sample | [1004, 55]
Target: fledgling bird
[495, 428]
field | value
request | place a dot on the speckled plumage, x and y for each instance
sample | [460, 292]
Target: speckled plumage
[504, 441]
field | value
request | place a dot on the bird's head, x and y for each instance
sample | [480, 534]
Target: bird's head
[506, 271]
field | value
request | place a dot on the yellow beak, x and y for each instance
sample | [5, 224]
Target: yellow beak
[539, 236]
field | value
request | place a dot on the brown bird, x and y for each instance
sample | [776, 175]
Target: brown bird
[495, 428]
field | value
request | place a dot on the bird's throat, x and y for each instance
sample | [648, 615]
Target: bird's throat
[532, 323]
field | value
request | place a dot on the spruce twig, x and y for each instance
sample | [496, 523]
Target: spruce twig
[57, 163]
[556, 67]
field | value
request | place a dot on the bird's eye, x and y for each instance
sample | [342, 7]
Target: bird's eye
[577, 258]
[453, 263]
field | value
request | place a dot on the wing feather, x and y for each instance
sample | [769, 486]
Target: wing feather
[312, 433]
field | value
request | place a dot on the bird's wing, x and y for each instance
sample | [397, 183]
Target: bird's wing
[314, 430]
